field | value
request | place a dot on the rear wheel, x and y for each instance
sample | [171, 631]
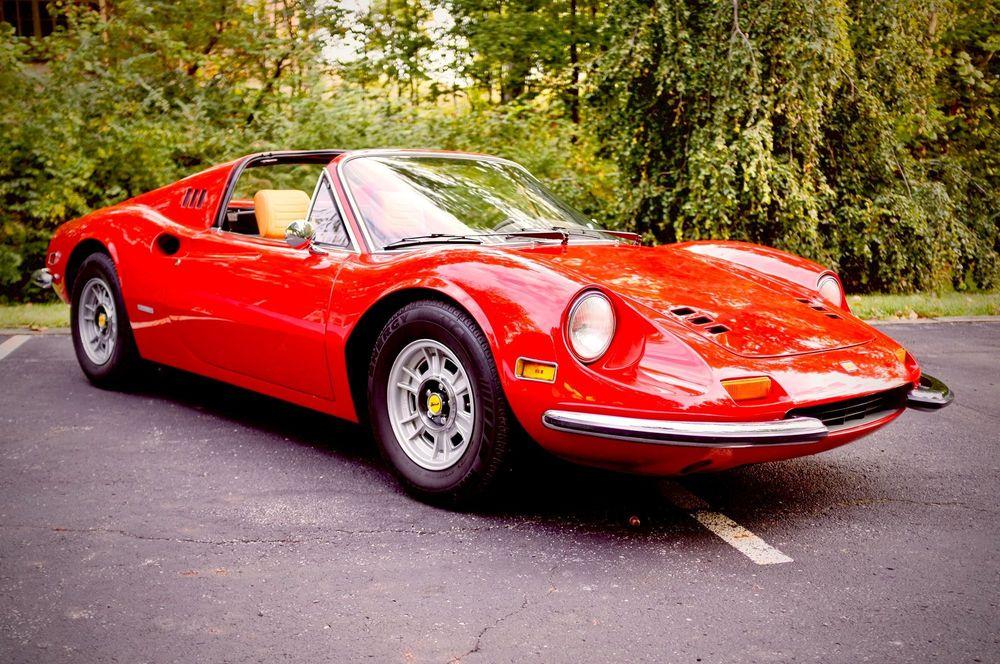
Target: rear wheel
[436, 404]
[102, 335]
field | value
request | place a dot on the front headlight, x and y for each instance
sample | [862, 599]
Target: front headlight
[591, 326]
[829, 289]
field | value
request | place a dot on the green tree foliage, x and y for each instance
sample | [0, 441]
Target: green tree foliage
[111, 107]
[106, 109]
[395, 45]
[861, 134]
[526, 47]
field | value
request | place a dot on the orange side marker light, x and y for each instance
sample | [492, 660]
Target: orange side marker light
[745, 389]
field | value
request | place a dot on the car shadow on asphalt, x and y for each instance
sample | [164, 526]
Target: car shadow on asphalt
[544, 489]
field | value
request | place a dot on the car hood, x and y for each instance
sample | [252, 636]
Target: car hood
[747, 313]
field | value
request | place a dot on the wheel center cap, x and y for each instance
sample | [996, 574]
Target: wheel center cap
[434, 403]
[102, 320]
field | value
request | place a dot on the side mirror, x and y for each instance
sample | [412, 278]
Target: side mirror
[300, 234]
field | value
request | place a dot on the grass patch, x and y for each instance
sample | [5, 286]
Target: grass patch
[37, 316]
[925, 305]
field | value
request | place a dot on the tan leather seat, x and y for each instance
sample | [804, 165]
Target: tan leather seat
[276, 208]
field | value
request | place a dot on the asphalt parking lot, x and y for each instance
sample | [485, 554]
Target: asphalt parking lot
[192, 521]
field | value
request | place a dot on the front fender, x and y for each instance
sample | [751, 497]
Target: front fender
[518, 304]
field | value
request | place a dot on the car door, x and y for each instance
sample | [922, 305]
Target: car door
[257, 307]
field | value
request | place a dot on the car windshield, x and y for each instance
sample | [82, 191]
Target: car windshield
[402, 197]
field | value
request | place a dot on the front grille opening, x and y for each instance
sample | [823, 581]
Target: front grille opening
[852, 412]
[717, 329]
[700, 320]
[682, 311]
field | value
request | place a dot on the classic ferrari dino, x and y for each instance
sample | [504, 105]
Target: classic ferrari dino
[454, 304]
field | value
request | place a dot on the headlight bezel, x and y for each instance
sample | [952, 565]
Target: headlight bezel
[840, 300]
[574, 309]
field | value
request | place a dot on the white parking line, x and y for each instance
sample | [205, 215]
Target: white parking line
[740, 538]
[12, 344]
[730, 532]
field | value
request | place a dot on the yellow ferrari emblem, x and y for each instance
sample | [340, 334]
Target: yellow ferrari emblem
[434, 403]
[102, 320]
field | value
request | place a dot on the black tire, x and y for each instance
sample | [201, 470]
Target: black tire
[123, 362]
[471, 479]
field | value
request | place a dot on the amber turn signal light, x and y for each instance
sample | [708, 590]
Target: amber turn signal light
[744, 389]
[901, 354]
[535, 370]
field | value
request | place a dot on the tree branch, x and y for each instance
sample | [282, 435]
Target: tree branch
[738, 32]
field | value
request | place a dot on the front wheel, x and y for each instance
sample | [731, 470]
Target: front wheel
[102, 335]
[436, 404]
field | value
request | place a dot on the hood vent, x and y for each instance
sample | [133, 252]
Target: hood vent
[816, 306]
[699, 319]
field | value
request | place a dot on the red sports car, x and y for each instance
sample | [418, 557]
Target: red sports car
[454, 303]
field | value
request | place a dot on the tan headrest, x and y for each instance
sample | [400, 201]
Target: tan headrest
[276, 208]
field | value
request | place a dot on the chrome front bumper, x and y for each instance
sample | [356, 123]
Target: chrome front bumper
[930, 394]
[695, 434]
[42, 278]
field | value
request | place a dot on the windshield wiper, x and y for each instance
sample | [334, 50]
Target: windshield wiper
[627, 236]
[433, 238]
[541, 234]
[563, 233]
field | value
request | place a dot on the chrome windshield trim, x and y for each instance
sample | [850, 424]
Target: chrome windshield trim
[388, 152]
[355, 247]
[685, 432]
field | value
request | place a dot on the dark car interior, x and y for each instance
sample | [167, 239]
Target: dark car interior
[272, 190]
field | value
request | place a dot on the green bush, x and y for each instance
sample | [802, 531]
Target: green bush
[124, 106]
[863, 135]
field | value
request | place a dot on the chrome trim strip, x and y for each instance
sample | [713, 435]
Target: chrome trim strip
[355, 208]
[930, 394]
[355, 247]
[687, 433]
